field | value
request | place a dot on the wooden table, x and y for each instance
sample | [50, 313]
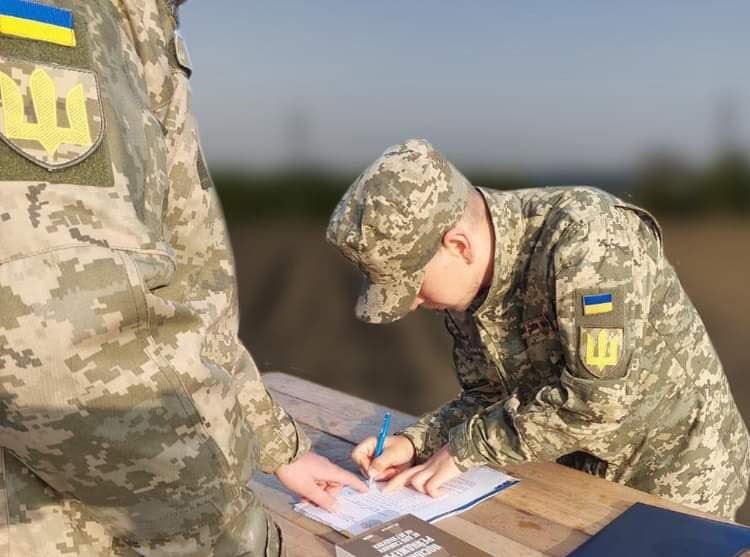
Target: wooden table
[553, 510]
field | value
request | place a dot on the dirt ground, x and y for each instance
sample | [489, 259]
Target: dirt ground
[297, 294]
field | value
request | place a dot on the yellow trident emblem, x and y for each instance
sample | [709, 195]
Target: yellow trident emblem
[603, 348]
[46, 130]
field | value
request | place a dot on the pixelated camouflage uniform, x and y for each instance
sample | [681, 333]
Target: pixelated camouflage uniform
[131, 416]
[659, 417]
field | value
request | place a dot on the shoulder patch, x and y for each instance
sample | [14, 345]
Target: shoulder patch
[600, 307]
[595, 304]
[600, 349]
[26, 19]
[52, 115]
[600, 317]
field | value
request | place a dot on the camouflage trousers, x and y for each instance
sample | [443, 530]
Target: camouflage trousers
[35, 521]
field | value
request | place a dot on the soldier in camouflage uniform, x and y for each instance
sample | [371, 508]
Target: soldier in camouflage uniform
[131, 416]
[573, 338]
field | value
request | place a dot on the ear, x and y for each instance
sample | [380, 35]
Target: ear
[458, 243]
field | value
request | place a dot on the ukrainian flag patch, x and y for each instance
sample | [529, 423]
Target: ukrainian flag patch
[32, 20]
[597, 304]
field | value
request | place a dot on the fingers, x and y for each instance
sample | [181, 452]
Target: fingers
[387, 474]
[321, 497]
[427, 478]
[393, 456]
[391, 472]
[317, 479]
[401, 479]
[344, 477]
[333, 488]
[433, 484]
[331, 473]
[397, 456]
[362, 453]
[423, 479]
[419, 479]
[381, 464]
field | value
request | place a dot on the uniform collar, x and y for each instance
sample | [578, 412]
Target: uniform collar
[508, 224]
[174, 6]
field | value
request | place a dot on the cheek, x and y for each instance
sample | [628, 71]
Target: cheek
[441, 289]
[430, 295]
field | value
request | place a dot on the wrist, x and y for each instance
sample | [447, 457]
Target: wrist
[289, 465]
[412, 444]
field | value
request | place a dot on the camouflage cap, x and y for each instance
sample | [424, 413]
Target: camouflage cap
[391, 221]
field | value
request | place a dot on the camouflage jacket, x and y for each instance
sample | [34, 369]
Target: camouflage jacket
[132, 416]
[587, 349]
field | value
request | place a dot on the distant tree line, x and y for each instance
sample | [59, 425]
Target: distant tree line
[668, 184]
[296, 193]
[664, 183]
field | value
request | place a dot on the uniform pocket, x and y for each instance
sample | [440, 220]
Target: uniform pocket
[597, 400]
[89, 408]
[543, 346]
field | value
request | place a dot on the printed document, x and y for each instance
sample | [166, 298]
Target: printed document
[357, 512]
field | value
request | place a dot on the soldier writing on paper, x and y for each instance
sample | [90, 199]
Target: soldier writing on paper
[573, 338]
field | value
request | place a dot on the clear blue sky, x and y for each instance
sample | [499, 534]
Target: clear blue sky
[522, 84]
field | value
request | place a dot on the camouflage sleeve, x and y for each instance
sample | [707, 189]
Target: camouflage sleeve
[205, 258]
[602, 277]
[279, 437]
[430, 433]
[203, 282]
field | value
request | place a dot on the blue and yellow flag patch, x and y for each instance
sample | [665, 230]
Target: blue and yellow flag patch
[597, 304]
[32, 20]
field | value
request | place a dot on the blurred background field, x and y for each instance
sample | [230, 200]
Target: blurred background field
[294, 99]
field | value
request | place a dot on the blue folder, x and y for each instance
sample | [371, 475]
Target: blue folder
[647, 531]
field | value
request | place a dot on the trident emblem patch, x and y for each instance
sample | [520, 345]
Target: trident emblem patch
[600, 349]
[49, 114]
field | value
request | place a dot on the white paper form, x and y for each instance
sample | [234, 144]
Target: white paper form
[357, 512]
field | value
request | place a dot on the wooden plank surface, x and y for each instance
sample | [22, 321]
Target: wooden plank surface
[553, 510]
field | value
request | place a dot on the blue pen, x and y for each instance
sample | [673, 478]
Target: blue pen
[381, 437]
